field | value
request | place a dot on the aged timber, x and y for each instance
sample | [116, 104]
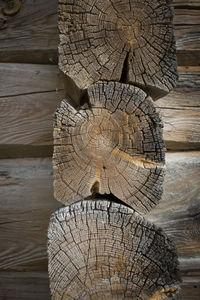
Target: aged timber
[112, 144]
[129, 42]
[102, 250]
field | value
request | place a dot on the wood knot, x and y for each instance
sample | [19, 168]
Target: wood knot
[12, 7]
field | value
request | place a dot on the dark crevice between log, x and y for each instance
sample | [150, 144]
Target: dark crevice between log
[125, 68]
[110, 197]
[76, 97]
[95, 188]
[187, 6]
[154, 92]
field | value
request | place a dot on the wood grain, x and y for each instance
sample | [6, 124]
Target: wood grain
[178, 213]
[116, 254]
[24, 286]
[28, 103]
[180, 111]
[111, 144]
[35, 286]
[31, 36]
[118, 41]
[26, 192]
[24, 79]
[27, 202]
[186, 3]
[29, 95]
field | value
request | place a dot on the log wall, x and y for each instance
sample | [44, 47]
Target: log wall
[30, 90]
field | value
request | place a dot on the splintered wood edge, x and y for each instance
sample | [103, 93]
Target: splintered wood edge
[124, 41]
[104, 250]
[111, 145]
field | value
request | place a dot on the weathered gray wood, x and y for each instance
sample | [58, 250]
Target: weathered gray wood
[31, 35]
[35, 39]
[35, 285]
[181, 111]
[26, 204]
[26, 127]
[112, 144]
[24, 79]
[29, 95]
[98, 249]
[26, 195]
[178, 212]
[186, 3]
[118, 41]
[24, 286]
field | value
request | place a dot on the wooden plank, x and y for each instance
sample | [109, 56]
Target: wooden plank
[27, 202]
[186, 3]
[178, 213]
[180, 111]
[187, 17]
[29, 95]
[24, 286]
[23, 79]
[31, 36]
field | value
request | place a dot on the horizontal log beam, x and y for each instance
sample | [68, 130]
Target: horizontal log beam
[35, 39]
[28, 103]
[35, 285]
[24, 219]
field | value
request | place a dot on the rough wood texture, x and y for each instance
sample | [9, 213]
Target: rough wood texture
[35, 286]
[178, 212]
[103, 250]
[35, 39]
[126, 41]
[31, 35]
[24, 219]
[24, 286]
[181, 111]
[27, 202]
[111, 145]
[26, 129]
[29, 95]
[26, 193]
[24, 79]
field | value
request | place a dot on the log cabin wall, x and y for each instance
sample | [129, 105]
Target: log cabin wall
[30, 90]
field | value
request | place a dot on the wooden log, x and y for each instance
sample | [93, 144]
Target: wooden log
[112, 145]
[130, 42]
[29, 101]
[35, 286]
[29, 95]
[186, 3]
[26, 204]
[31, 36]
[103, 250]
[178, 212]
[24, 286]
[24, 79]
[35, 39]
[180, 111]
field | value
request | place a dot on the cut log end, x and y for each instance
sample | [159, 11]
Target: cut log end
[127, 41]
[103, 250]
[114, 146]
